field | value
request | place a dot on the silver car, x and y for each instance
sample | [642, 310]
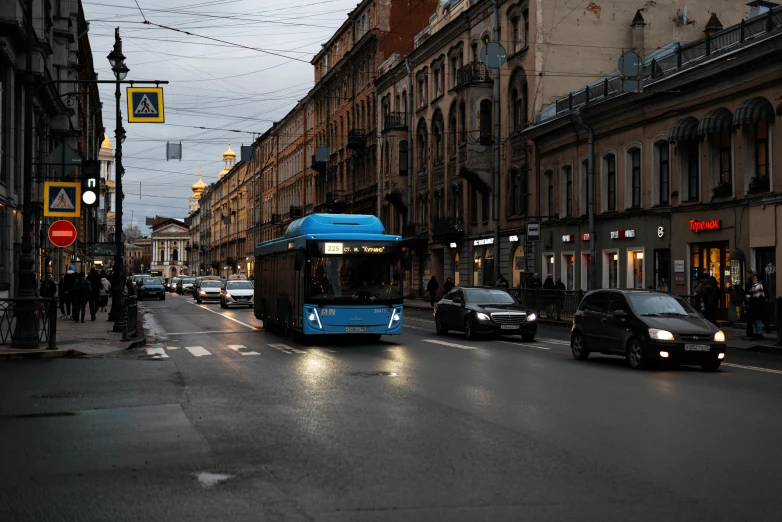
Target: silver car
[209, 290]
[237, 293]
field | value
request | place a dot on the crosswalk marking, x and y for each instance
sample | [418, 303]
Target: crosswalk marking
[242, 349]
[198, 351]
[527, 345]
[172, 347]
[453, 345]
[753, 368]
[284, 348]
[157, 352]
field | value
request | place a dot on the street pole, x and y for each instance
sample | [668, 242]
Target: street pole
[25, 334]
[496, 184]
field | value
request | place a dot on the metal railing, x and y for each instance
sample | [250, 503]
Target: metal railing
[395, 120]
[44, 319]
[682, 57]
[475, 72]
[549, 304]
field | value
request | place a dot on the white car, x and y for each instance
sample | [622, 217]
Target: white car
[209, 289]
[237, 293]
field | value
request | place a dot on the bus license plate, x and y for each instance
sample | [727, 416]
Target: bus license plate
[697, 348]
[509, 327]
[355, 328]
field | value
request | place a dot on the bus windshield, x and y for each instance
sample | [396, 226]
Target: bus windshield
[355, 277]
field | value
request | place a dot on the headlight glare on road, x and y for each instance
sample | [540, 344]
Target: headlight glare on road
[482, 317]
[532, 317]
[719, 337]
[396, 316]
[721, 356]
[660, 335]
[313, 318]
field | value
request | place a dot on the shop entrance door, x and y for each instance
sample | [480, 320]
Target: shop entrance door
[765, 265]
[711, 259]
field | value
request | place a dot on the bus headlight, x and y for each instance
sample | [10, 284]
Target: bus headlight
[396, 316]
[313, 318]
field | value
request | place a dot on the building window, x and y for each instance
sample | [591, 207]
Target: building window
[760, 183]
[162, 255]
[550, 195]
[403, 158]
[452, 131]
[664, 172]
[515, 101]
[692, 175]
[635, 177]
[525, 17]
[725, 181]
[473, 206]
[485, 199]
[610, 183]
[485, 119]
[462, 124]
[567, 173]
[524, 188]
[513, 195]
[514, 24]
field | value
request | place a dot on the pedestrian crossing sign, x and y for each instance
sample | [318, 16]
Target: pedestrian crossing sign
[63, 199]
[145, 105]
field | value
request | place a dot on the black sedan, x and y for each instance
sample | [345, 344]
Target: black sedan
[484, 311]
[644, 326]
[152, 287]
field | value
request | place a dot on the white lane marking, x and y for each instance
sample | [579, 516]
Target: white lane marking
[198, 351]
[157, 351]
[172, 347]
[242, 349]
[213, 332]
[208, 480]
[226, 316]
[291, 348]
[453, 345]
[527, 345]
[553, 341]
[281, 348]
[753, 368]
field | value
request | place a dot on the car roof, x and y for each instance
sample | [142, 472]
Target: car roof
[630, 291]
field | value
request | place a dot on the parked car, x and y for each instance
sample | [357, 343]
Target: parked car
[171, 284]
[151, 287]
[184, 285]
[477, 311]
[237, 293]
[645, 326]
[208, 290]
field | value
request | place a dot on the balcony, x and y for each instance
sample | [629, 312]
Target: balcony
[357, 139]
[295, 212]
[276, 219]
[446, 230]
[472, 74]
[395, 121]
[414, 234]
[475, 166]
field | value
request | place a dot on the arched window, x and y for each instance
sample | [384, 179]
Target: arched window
[175, 254]
[609, 166]
[162, 255]
[438, 138]
[513, 192]
[525, 17]
[634, 163]
[403, 158]
[514, 27]
[421, 143]
[452, 131]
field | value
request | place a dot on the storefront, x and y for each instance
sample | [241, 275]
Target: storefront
[710, 243]
[483, 271]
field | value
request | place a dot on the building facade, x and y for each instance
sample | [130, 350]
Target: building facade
[439, 115]
[170, 238]
[140, 257]
[684, 179]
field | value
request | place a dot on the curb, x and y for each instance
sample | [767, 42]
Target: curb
[37, 354]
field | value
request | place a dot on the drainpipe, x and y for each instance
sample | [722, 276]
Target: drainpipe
[496, 184]
[409, 117]
[590, 195]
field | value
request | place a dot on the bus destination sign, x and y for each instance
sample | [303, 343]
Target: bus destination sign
[348, 248]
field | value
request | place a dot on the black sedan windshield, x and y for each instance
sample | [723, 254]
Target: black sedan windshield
[485, 296]
[658, 304]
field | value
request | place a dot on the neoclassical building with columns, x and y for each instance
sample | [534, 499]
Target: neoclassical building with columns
[170, 239]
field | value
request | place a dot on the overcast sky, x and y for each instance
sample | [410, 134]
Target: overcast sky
[221, 86]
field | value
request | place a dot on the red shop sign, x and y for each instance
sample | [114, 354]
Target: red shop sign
[697, 226]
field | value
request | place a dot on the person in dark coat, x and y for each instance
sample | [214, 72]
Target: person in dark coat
[94, 298]
[711, 299]
[756, 297]
[431, 287]
[61, 293]
[749, 333]
[560, 285]
[448, 285]
[502, 282]
[548, 284]
[80, 294]
[70, 278]
[535, 283]
[48, 286]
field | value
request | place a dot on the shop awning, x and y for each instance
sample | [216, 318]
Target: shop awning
[685, 129]
[753, 111]
[717, 120]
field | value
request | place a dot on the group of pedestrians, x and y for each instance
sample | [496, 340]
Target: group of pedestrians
[77, 290]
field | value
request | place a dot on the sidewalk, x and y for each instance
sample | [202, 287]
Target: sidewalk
[88, 338]
[733, 334]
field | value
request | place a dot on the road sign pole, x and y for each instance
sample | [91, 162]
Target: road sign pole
[119, 269]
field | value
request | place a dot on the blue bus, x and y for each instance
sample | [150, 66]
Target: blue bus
[330, 274]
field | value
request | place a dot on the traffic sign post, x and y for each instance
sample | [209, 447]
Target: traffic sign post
[145, 105]
[62, 199]
[62, 233]
[533, 231]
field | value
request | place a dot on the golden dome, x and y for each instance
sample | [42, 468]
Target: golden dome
[229, 153]
[199, 186]
[223, 173]
[106, 142]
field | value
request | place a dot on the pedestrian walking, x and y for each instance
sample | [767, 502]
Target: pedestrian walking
[48, 286]
[559, 284]
[535, 283]
[548, 284]
[94, 298]
[757, 300]
[745, 313]
[70, 278]
[502, 282]
[448, 285]
[61, 293]
[80, 293]
[105, 290]
[432, 288]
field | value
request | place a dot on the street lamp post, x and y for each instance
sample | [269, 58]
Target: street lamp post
[117, 61]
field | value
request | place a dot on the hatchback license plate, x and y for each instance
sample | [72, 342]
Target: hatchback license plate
[697, 348]
[509, 327]
[355, 328]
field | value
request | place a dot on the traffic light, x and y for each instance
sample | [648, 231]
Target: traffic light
[90, 182]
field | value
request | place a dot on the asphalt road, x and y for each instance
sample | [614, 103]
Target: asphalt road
[217, 420]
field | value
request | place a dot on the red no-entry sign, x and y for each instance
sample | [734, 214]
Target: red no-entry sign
[62, 233]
